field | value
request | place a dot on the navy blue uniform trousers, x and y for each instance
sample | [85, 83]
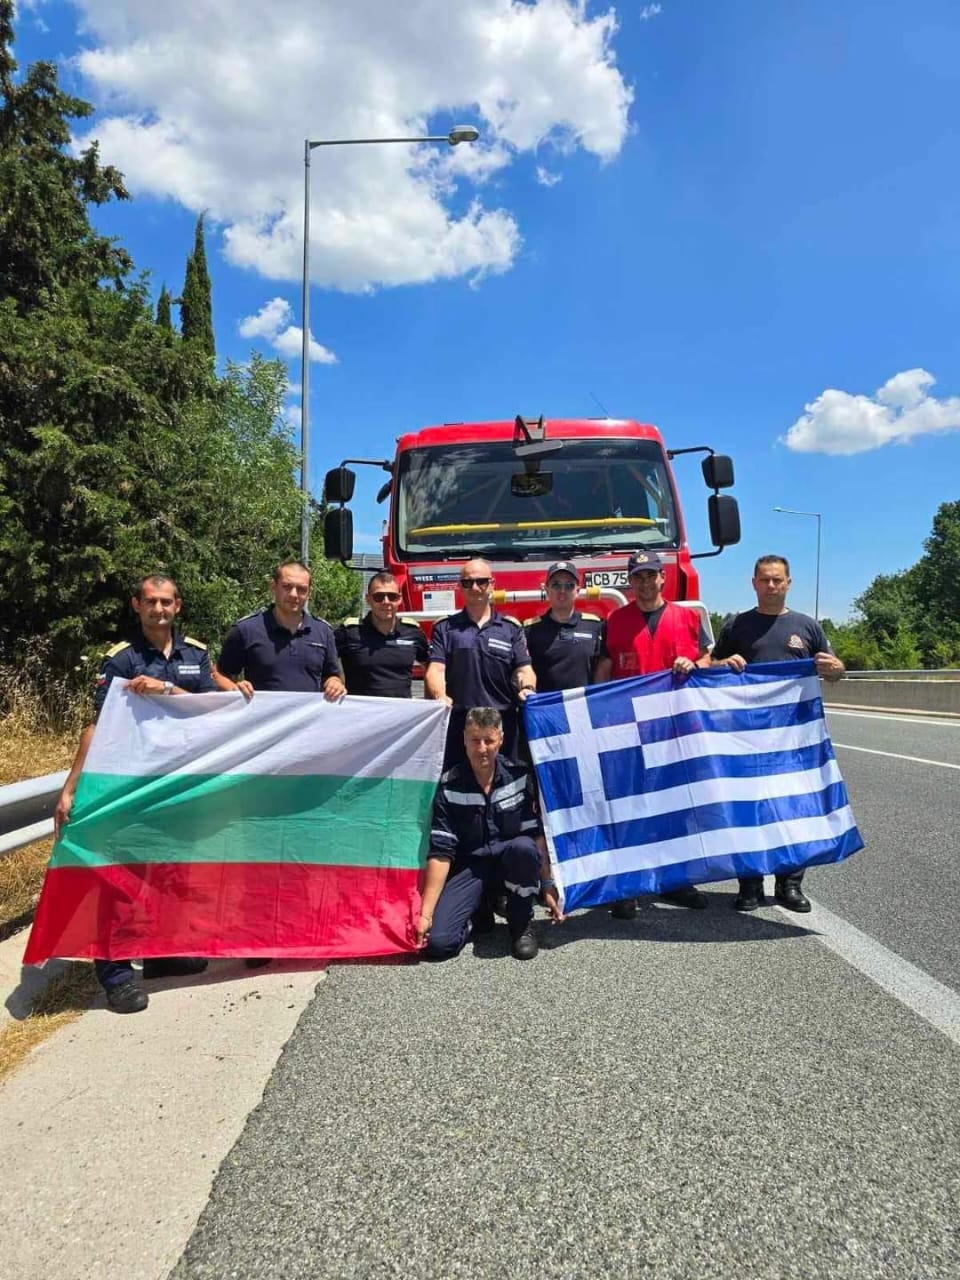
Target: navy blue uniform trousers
[513, 865]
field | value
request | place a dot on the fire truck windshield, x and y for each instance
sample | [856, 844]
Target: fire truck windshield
[479, 497]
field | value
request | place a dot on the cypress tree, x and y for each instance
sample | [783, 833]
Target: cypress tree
[164, 318]
[196, 307]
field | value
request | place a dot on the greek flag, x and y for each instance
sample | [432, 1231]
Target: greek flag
[657, 782]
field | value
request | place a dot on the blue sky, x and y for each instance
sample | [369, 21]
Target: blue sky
[706, 216]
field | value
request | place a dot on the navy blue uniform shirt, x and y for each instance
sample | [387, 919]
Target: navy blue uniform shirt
[764, 637]
[377, 665]
[271, 657]
[564, 654]
[479, 661]
[188, 666]
[465, 821]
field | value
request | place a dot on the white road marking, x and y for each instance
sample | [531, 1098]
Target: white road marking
[931, 1000]
[874, 715]
[872, 751]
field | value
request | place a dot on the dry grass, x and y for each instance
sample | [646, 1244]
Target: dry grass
[26, 752]
[61, 1002]
[21, 875]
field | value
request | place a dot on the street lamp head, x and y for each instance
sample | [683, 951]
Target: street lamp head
[463, 133]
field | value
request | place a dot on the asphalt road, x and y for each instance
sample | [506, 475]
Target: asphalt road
[691, 1094]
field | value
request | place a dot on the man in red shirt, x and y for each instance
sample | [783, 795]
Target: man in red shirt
[646, 636]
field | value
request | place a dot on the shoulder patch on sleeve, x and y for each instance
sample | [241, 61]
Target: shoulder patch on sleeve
[117, 648]
[410, 622]
[350, 622]
[591, 617]
[247, 616]
[508, 617]
[197, 644]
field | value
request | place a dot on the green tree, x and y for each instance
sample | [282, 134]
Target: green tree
[164, 316]
[120, 451]
[196, 305]
[46, 241]
[936, 584]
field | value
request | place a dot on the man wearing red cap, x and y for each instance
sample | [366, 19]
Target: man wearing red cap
[647, 636]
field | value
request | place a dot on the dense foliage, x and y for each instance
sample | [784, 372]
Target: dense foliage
[912, 618]
[121, 450]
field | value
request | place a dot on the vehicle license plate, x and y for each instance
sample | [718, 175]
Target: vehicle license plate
[605, 578]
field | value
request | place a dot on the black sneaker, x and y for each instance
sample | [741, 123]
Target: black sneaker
[126, 997]
[526, 944]
[625, 910]
[172, 966]
[688, 896]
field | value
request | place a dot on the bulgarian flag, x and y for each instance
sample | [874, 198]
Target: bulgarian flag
[207, 825]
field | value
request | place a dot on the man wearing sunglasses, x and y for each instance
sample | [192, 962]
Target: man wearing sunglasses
[478, 658]
[378, 652]
[565, 645]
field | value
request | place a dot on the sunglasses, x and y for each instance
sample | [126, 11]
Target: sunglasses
[474, 582]
[558, 585]
[381, 597]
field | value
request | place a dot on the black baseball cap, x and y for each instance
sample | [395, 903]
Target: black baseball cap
[564, 566]
[641, 561]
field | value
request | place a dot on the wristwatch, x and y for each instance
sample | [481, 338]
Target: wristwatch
[168, 686]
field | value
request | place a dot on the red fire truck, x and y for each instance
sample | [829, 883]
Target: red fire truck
[524, 494]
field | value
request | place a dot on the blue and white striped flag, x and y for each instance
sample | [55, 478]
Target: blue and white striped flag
[657, 782]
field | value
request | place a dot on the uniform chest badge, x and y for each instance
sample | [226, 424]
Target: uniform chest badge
[795, 642]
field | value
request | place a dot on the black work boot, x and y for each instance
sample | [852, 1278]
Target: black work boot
[787, 893]
[751, 896]
[525, 941]
[126, 997]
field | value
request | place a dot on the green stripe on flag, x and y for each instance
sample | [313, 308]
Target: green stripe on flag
[364, 822]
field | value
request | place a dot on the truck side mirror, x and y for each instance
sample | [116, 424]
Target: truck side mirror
[717, 471]
[338, 484]
[338, 534]
[724, 515]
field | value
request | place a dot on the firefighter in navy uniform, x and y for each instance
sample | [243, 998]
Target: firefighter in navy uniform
[485, 835]
[158, 660]
[378, 652]
[565, 645]
[774, 633]
[478, 658]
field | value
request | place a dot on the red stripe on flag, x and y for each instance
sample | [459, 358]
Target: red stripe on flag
[224, 909]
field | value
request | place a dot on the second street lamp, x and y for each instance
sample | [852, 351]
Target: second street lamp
[818, 515]
[460, 133]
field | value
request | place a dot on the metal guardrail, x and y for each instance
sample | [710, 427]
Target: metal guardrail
[26, 810]
[913, 673]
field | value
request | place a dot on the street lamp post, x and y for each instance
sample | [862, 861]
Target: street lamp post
[789, 511]
[461, 133]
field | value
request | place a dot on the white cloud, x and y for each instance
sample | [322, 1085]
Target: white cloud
[211, 112]
[650, 11]
[272, 323]
[840, 423]
[547, 178]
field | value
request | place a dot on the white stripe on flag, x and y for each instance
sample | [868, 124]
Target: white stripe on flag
[652, 804]
[726, 842]
[739, 742]
[749, 696]
[274, 733]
